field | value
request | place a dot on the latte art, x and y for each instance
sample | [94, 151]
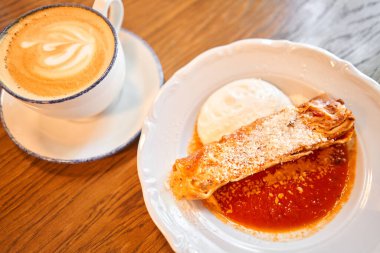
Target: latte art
[57, 51]
[63, 50]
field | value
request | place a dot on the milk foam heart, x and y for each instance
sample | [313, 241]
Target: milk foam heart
[237, 104]
[64, 50]
[56, 52]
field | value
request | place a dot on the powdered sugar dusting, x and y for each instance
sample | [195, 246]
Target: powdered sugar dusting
[264, 144]
[280, 137]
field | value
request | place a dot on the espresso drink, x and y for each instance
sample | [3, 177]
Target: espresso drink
[55, 52]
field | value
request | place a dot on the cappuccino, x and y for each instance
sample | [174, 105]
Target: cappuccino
[56, 52]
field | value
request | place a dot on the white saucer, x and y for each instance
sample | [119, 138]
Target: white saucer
[80, 141]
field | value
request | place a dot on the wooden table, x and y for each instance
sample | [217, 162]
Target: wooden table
[98, 206]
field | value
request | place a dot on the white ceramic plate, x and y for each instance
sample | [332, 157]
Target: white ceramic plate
[297, 69]
[80, 141]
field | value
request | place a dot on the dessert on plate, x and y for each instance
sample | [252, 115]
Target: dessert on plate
[282, 171]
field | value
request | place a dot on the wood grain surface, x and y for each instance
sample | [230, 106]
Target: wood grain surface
[98, 206]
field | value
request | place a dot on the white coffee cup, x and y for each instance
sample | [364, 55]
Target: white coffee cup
[96, 97]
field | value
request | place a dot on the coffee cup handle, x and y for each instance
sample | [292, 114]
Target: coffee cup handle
[115, 9]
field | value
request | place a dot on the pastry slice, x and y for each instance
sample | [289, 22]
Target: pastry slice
[281, 137]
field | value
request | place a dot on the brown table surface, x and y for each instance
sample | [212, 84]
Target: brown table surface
[98, 206]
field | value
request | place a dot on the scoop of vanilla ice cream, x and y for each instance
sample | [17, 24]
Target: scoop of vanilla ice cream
[237, 104]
